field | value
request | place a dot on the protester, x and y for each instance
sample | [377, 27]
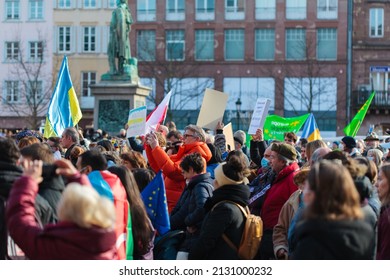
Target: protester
[383, 185]
[257, 147]
[133, 159]
[69, 139]
[223, 217]
[349, 146]
[194, 141]
[85, 230]
[332, 225]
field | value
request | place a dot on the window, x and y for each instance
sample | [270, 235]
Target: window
[204, 44]
[36, 51]
[205, 10]
[64, 4]
[87, 78]
[326, 44]
[35, 9]
[175, 45]
[295, 9]
[35, 91]
[12, 51]
[146, 45]
[264, 44]
[11, 91]
[265, 9]
[376, 22]
[146, 10]
[112, 4]
[234, 44]
[327, 9]
[175, 10]
[12, 9]
[295, 44]
[64, 39]
[89, 39]
[90, 4]
[234, 9]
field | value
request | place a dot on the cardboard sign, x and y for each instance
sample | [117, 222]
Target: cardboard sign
[228, 132]
[212, 110]
[136, 122]
[259, 115]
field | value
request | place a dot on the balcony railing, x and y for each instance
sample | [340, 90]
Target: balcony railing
[380, 101]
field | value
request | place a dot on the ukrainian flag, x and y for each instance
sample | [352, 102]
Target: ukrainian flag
[64, 110]
[310, 130]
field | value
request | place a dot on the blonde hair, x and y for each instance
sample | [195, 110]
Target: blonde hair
[336, 196]
[312, 146]
[86, 208]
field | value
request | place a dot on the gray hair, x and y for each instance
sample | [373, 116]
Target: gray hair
[198, 131]
[72, 133]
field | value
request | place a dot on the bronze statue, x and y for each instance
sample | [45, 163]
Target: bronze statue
[119, 44]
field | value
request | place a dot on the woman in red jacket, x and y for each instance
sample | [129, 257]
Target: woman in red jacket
[383, 185]
[193, 141]
[86, 219]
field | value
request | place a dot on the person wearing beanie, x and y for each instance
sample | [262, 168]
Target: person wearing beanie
[283, 161]
[223, 217]
[349, 146]
[240, 142]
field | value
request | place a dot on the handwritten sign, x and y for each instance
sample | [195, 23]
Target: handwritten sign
[136, 122]
[259, 114]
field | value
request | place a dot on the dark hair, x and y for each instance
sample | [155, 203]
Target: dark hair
[236, 167]
[291, 135]
[135, 158]
[56, 143]
[106, 144]
[195, 161]
[95, 159]
[174, 133]
[142, 229]
[38, 151]
[9, 150]
[143, 176]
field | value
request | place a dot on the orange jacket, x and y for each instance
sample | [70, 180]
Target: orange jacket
[173, 179]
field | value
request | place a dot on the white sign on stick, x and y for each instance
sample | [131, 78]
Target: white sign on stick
[136, 122]
[259, 114]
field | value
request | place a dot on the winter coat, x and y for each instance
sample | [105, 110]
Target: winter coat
[319, 239]
[282, 188]
[383, 248]
[65, 240]
[170, 166]
[257, 149]
[224, 218]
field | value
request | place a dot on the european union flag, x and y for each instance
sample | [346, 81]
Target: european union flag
[155, 201]
[64, 110]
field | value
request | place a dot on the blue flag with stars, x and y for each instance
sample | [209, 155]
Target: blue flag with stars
[155, 202]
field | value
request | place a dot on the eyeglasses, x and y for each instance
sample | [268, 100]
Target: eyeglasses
[188, 135]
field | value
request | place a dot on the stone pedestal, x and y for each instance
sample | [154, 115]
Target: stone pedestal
[113, 100]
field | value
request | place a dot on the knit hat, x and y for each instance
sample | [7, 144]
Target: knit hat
[349, 141]
[240, 137]
[286, 150]
[222, 179]
[372, 137]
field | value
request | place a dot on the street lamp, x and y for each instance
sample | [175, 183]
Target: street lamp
[238, 111]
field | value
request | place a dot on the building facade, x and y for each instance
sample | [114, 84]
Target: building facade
[26, 62]
[371, 63]
[293, 52]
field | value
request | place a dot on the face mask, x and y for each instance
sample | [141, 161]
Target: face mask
[264, 162]
[370, 158]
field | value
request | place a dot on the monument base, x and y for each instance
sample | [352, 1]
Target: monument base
[113, 100]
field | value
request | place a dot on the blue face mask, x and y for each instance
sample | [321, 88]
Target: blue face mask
[264, 162]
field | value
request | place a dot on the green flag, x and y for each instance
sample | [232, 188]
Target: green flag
[352, 128]
[275, 126]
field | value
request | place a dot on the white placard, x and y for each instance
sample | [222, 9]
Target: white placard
[136, 122]
[213, 108]
[259, 114]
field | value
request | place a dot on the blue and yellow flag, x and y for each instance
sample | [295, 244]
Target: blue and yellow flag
[64, 110]
[310, 129]
[155, 202]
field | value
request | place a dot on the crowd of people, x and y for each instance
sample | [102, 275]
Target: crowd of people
[78, 196]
